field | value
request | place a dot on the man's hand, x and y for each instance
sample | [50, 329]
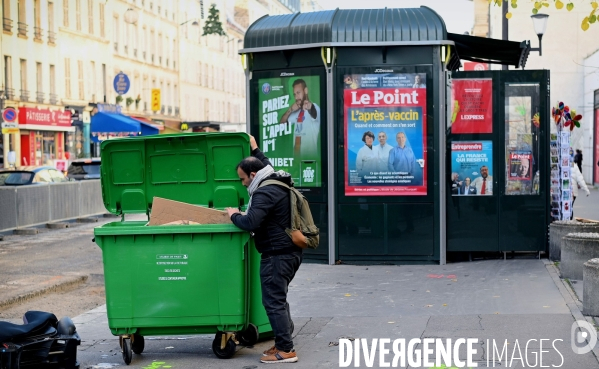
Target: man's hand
[295, 106]
[307, 105]
[253, 144]
[232, 211]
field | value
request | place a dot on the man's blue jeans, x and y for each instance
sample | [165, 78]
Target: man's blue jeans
[276, 272]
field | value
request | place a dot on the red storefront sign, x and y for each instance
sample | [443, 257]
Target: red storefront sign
[44, 117]
[472, 106]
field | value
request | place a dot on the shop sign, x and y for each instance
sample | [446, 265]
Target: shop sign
[10, 128]
[44, 117]
[109, 108]
[9, 115]
[121, 83]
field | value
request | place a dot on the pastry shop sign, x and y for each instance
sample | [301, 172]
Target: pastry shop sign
[44, 117]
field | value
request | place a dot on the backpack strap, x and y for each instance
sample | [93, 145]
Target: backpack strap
[269, 182]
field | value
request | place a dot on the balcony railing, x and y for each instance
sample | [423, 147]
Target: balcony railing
[135, 53]
[22, 28]
[10, 93]
[152, 58]
[24, 95]
[170, 110]
[162, 109]
[51, 37]
[126, 49]
[39, 97]
[37, 33]
[174, 64]
[167, 62]
[143, 55]
[7, 24]
[53, 98]
[160, 60]
[116, 47]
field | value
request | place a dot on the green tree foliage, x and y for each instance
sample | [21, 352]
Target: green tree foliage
[213, 25]
[559, 4]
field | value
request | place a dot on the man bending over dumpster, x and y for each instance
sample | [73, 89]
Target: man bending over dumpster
[268, 215]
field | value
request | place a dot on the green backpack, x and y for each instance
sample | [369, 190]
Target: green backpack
[303, 231]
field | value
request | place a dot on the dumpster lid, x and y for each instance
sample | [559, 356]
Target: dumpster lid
[195, 168]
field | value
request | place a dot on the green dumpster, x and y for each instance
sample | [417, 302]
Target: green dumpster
[178, 279]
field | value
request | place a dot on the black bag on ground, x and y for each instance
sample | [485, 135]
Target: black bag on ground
[41, 342]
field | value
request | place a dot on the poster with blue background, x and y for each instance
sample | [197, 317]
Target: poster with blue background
[471, 168]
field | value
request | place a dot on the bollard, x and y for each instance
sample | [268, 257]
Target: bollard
[560, 228]
[577, 249]
[590, 296]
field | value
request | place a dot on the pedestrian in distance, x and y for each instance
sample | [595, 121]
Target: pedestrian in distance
[577, 183]
[268, 215]
[578, 159]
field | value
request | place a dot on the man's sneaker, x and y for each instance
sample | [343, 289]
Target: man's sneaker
[271, 351]
[280, 357]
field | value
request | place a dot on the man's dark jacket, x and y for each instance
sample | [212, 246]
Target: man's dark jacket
[269, 215]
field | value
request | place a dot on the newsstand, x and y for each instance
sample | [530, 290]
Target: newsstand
[178, 279]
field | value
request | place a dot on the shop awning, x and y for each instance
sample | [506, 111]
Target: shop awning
[489, 50]
[104, 122]
[143, 120]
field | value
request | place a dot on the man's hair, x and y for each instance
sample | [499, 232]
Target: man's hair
[250, 164]
[367, 133]
[483, 166]
[299, 81]
[383, 133]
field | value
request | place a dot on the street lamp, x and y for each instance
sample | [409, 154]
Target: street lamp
[131, 16]
[539, 21]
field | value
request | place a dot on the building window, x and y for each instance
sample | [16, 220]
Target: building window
[78, 14]
[80, 70]
[22, 18]
[39, 81]
[115, 33]
[93, 88]
[24, 91]
[37, 20]
[67, 77]
[8, 77]
[90, 16]
[65, 10]
[102, 31]
[51, 33]
[53, 97]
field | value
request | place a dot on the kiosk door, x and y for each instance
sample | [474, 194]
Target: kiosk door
[497, 161]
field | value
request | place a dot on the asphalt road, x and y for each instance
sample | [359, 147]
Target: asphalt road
[66, 258]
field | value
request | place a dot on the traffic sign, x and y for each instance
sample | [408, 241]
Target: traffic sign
[155, 99]
[121, 83]
[9, 125]
[9, 115]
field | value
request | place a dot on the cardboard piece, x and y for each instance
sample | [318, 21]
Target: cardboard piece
[166, 211]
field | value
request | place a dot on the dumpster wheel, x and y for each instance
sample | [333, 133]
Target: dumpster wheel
[249, 336]
[224, 345]
[137, 343]
[126, 346]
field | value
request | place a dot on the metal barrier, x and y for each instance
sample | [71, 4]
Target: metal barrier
[25, 206]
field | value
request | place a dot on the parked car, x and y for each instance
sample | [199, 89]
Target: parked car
[81, 169]
[31, 175]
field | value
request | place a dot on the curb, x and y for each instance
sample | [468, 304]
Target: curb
[25, 231]
[573, 303]
[65, 284]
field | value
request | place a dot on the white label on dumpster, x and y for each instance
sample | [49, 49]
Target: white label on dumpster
[171, 263]
[172, 270]
[172, 278]
[172, 256]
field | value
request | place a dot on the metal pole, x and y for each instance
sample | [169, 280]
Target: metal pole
[332, 229]
[504, 26]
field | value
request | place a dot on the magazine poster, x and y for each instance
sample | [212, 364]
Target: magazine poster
[520, 165]
[472, 105]
[290, 126]
[471, 168]
[385, 134]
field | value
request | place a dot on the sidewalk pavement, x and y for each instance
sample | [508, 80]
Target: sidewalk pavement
[514, 300]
